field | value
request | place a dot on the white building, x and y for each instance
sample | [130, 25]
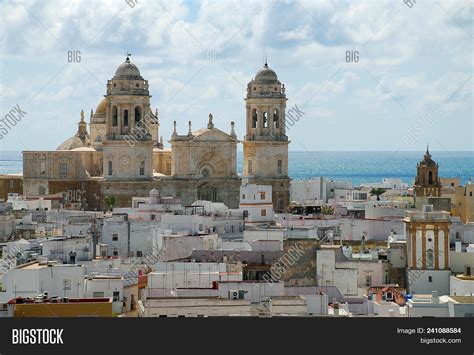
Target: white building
[31, 279]
[387, 183]
[123, 293]
[68, 249]
[333, 268]
[275, 235]
[444, 306]
[125, 237]
[20, 203]
[312, 191]
[328, 274]
[461, 285]
[256, 203]
[152, 207]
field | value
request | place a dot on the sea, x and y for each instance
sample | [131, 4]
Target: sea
[358, 167]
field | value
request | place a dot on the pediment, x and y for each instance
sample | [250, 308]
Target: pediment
[212, 135]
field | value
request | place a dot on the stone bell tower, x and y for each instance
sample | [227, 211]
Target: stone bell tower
[128, 145]
[427, 181]
[265, 142]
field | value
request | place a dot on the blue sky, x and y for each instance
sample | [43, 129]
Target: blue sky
[199, 56]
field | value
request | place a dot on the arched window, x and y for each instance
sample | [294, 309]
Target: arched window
[63, 168]
[265, 119]
[125, 118]
[276, 123]
[114, 116]
[138, 116]
[142, 168]
[430, 258]
[254, 118]
[430, 178]
[110, 171]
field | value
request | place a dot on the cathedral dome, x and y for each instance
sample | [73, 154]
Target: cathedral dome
[266, 75]
[127, 70]
[101, 107]
[71, 143]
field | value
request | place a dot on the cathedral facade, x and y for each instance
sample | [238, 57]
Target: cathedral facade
[123, 155]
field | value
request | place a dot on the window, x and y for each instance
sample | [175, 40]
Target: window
[97, 294]
[142, 168]
[262, 195]
[153, 217]
[110, 170]
[116, 295]
[115, 252]
[429, 258]
[254, 118]
[276, 123]
[249, 167]
[243, 196]
[12, 183]
[115, 237]
[114, 116]
[368, 280]
[470, 194]
[265, 119]
[430, 278]
[280, 166]
[41, 190]
[138, 116]
[263, 212]
[430, 178]
[63, 171]
[125, 118]
[139, 254]
[42, 167]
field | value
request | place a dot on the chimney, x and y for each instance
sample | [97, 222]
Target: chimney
[467, 270]
[336, 308]
[458, 247]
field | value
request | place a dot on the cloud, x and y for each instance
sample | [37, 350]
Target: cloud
[417, 56]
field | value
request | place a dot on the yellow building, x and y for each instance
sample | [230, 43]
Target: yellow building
[463, 204]
[80, 307]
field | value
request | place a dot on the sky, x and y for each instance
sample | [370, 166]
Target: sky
[366, 75]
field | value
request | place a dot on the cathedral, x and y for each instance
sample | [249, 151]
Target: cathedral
[122, 154]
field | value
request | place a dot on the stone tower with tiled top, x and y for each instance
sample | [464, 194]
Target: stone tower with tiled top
[427, 181]
[128, 144]
[266, 142]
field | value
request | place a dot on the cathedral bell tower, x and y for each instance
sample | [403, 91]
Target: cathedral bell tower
[265, 142]
[427, 181]
[129, 139]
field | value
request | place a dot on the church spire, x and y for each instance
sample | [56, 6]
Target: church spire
[427, 154]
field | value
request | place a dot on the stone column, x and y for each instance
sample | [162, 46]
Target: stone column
[446, 248]
[413, 246]
[423, 247]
